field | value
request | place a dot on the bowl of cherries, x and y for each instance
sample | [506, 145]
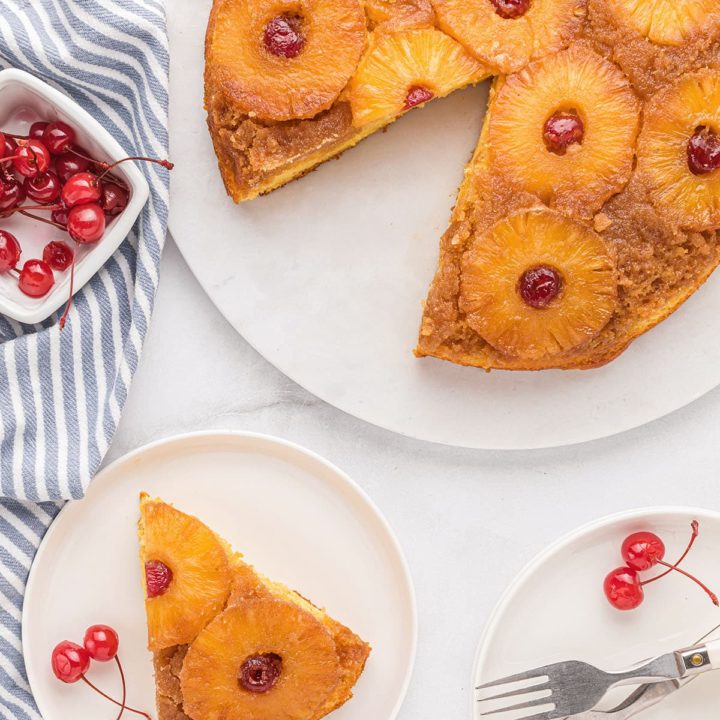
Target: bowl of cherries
[69, 196]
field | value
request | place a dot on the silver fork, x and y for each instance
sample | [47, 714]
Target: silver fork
[573, 687]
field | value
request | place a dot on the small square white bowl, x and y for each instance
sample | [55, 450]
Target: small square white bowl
[23, 100]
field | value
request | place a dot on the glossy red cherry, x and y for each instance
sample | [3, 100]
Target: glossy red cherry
[643, 550]
[69, 164]
[32, 158]
[511, 9]
[58, 137]
[283, 36]
[12, 193]
[9, 251]
[562, 130]
[703, 151]
[158, 578]
[36, 278]
[417, 95]
[9, 147]
[60, 216]
[114, 198]
[101, 642]
[37, 130]
[539, 286]
[69, 661]
[623, 589]
[44, 189]
[58, 255]
[86, 223]
[81, 189]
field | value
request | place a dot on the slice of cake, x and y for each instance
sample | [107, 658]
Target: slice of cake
[228, 643]
[591, 209]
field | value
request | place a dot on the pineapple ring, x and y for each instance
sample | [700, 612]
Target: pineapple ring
[397, 62]
[200, 568]
[667, 22]
[496, 261]
[271, 88]
[396, 14]
[578, 79]
[310, 665]
[510, 44]
[671, 118]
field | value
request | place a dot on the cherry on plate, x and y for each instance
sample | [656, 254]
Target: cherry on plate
[86, 223]
[101, 642]
[36, 278]
[69, 661]
[58, 255]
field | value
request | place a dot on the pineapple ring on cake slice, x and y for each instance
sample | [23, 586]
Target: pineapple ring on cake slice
[538, 284]
[402, 70]
[679, 151]
[283, 59]
[262, 659]
[507, 34]
[667, 22]
[187, 574]
[565, 129]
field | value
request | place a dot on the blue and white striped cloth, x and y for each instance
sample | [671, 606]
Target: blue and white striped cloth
[61, 393]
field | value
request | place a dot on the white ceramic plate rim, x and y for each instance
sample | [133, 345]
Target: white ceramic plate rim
[340, 477]
[101, 251]
[551, 551]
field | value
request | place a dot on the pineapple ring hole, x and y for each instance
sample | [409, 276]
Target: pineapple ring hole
[511, 9]
[540, 285]
[703, 150]
[563, 129]
[260, 673]
[284, 35]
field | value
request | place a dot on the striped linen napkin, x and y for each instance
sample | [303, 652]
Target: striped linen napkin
[61, 393]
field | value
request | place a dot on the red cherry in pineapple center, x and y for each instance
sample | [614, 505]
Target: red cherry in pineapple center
[561, 130]
[283, 36]
[703, 151]
[260, 673]
[511, 9]
[417, 95]
[539, 286]
[158, 578]
[69, 661]
[643, 550]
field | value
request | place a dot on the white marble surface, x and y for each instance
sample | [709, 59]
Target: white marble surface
[468, 520]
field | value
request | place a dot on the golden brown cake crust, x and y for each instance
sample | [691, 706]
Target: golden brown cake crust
[659, 265]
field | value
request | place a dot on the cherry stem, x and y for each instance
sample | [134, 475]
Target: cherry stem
[695, 532]
[23, 208]
[60, 226]
[63, 319]
[84, 157]
[117, 659]
[113, 701]
[107, 168]
[712, 595]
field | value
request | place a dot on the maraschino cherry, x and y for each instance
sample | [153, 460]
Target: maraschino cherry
[70, 662]
[642, 551]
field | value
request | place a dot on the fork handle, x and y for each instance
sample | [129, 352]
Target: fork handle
[700, 658]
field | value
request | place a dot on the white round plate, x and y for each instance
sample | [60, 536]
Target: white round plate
[296, 517]
[556, 610]
[326, 277]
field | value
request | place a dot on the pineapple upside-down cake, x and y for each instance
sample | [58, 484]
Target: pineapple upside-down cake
[590, 210]
[228, 643]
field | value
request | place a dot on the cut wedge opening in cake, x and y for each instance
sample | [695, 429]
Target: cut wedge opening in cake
[590, 210]
[228, 643]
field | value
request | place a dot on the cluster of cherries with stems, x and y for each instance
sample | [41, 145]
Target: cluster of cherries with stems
[70, 662]
[643, 551]
[47, 169]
